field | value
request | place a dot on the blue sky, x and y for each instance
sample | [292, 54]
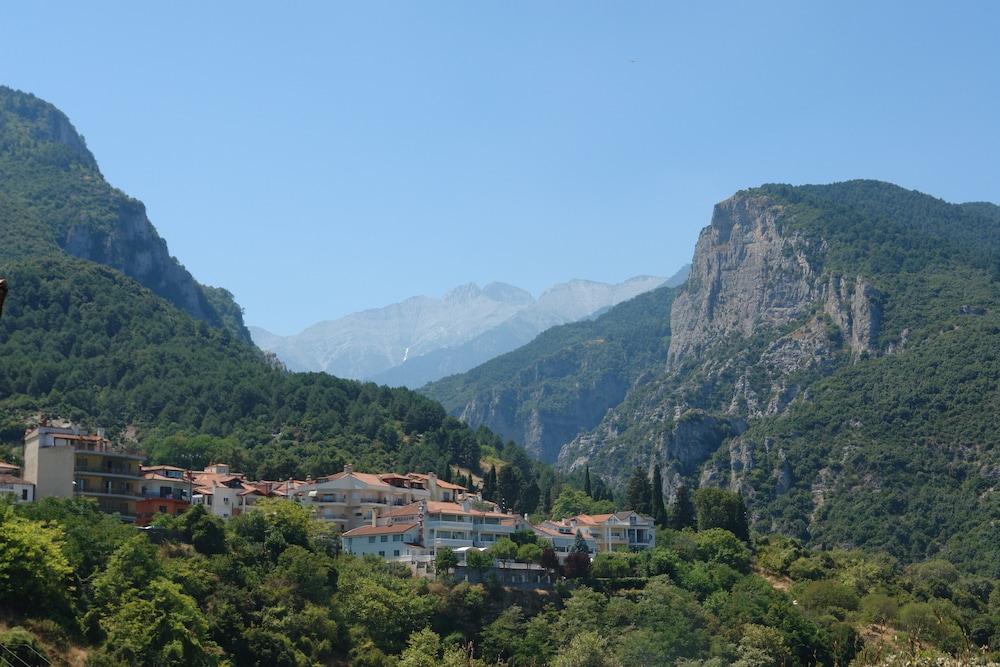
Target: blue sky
[319, 158]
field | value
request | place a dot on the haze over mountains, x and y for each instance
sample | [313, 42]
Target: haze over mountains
[423, 338]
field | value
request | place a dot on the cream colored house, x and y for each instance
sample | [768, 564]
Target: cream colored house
[352, 499]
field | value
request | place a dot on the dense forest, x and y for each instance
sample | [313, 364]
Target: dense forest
[104, 328]
[271, 588]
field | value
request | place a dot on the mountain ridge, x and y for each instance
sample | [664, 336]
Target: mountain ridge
[422, 338]
[46, 168]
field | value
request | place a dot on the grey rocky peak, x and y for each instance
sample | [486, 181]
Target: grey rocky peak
[423, 338]
[756, 315]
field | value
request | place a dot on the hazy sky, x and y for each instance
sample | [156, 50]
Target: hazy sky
[319, 158]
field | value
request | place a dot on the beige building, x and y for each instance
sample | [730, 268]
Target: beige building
[62, 463]
[352, 499]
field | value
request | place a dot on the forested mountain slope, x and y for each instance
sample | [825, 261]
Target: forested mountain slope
[103, 327]
[561, 383]
[835, 356]
[47, 175]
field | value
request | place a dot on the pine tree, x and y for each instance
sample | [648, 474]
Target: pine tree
[659, 511]
[638, 495]
[681, 513]
[586, 482]
[490, 484]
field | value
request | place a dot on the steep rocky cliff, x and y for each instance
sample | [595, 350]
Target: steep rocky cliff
[47, 173]
[805, 311]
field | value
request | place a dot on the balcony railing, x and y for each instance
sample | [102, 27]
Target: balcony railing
[113, 470]
[157, 495]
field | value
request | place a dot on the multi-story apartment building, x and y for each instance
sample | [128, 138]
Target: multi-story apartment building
[426, 526]
[562, 536]
[62, 462]
[165, 490]
[352, 499]
[621, 531]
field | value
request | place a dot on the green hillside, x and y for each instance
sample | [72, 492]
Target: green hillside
[888, 447]
[104, 328]
[544, 393]
[54, 199]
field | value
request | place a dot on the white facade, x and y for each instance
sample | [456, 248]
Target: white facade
[352, 499]
[386, 542]
[16, 488]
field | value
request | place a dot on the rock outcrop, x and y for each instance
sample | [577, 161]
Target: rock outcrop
[757, 320]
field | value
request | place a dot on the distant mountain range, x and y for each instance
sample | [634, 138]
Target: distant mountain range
[423, 339]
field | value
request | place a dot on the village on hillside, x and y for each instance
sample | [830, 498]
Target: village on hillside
[403, 518]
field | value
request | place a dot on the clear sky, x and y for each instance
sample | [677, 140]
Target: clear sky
[319, 158]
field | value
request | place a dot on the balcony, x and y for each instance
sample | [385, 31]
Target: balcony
[159, 495]
[331, 498]
[113, 471]
[446, 542]
[110, 493]
[458, 525]
[103, 449]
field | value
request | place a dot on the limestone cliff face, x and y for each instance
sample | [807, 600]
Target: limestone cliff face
[749, 274]
[514, 414]
[758, 319]
[745, 274]
[44, 159]
[131, 244]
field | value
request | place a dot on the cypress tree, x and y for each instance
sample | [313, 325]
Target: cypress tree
[659, 511]
[586, 482]
[741, 524]
[638, 494]
[490, 484]
[681, 513]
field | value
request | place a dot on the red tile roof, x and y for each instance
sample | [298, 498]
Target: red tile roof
[381, 530]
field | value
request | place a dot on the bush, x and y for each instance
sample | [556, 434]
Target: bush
[716, 545]
[25, 647]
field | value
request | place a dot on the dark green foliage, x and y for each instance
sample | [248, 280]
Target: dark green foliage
[490, 484]
[715, 508]
[86, 343]
[569, 375]
[638, 493]
[682, 512]
[658, 509]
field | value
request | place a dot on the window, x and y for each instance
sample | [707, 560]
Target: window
[397, 538]
[24, 494]
[395, 552]
[384, 538]
[162, 508]
[382, 554]
[371, 539]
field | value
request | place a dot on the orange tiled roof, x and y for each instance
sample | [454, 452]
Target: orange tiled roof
[145, 468]
[381, 530]
[163, 478]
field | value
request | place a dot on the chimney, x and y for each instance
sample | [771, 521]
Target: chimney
[374, 516]
[348, 468]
